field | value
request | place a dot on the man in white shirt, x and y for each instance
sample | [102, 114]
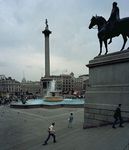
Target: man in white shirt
[51, 132]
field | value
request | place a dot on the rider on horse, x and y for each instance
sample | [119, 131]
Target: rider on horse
[113, 19]
[115, 16]
[111, 28]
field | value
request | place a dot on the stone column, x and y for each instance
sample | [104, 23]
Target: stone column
[46, 33]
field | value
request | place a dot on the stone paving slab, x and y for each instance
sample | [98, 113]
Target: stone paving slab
[26, 129]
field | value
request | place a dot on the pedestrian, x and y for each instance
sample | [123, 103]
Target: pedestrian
[70, 121]
[51, 132]
[117, 116]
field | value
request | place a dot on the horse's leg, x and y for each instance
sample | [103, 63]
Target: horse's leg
[125, 40]
[110, 41]
[105, 42]
[100, 42]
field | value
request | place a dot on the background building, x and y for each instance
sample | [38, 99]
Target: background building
[67, 84]
[80, 85]
[30, 89]
[9, 87]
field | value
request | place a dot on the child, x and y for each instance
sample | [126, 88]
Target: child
[70, 120]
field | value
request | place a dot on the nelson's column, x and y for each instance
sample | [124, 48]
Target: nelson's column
[46, 79]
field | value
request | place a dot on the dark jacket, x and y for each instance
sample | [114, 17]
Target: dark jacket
[117, 112]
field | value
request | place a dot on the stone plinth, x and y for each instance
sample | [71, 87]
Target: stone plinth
[108, 86]
[45, 84]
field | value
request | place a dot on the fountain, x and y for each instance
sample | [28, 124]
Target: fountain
[52, 100]
[52, 93]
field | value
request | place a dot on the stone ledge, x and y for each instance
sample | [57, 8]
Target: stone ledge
[112, 58]
[102, 114]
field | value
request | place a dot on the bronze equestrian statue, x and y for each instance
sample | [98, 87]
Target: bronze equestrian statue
[111, 28]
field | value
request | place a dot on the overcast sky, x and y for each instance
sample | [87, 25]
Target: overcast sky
[72, 44]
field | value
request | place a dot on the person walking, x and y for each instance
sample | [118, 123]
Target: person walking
[117, 116]
[70, 120]
[51, 132]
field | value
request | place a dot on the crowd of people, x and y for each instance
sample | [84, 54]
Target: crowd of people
[4, 100]
[7, 100]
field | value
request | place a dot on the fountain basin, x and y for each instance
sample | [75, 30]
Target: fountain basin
[36, 103]
[53, 98]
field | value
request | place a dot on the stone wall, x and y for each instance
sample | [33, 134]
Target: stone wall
[108, 86]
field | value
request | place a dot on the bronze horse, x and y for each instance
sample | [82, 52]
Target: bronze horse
[104, 32]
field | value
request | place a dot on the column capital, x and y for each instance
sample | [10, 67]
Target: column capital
[46, 32]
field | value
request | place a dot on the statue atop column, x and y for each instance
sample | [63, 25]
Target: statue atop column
[46, 32]
[46, 22]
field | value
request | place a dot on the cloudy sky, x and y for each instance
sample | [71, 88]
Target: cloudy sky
[72, 44]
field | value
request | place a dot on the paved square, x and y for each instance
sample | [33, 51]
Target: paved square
[26, 129]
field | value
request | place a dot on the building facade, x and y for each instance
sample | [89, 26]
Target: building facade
[30, 89]
[65, 83]
[9, 87]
